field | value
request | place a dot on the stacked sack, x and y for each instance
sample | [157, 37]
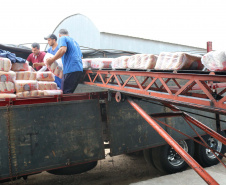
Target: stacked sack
[56, 67]
[178, 61]
[7, 78]
[25, 83]
[215, 60]
[46, 83]
[142, 61]
[32, 83]
[120, 62]
[97, 63]
[86, 63]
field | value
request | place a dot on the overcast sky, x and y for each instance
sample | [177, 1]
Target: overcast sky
[188, 22]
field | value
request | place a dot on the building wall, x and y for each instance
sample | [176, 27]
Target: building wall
[126, 43]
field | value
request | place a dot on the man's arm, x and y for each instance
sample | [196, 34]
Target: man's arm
[58, 55]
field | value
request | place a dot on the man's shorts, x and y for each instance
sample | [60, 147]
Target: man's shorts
[70, 82]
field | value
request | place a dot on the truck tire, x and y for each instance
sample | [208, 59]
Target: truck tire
[168, 161]
[148, 157]
[71, 170]
[204, 156]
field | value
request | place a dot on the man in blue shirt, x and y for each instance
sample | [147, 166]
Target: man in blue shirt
[71, 55]
[52, 41]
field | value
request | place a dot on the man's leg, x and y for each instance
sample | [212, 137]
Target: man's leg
[70, 82]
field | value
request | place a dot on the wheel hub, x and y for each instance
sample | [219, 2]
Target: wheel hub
[173, 157]
[214, 144]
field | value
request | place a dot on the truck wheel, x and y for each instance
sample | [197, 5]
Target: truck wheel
[167, 160]
[204, 156]
[148, 157]
[80, 168]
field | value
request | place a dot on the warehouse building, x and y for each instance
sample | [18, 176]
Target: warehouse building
[83, 30]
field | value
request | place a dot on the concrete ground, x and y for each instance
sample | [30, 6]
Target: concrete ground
[188, 177]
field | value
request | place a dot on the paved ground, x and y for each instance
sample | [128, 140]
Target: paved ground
[188, 177]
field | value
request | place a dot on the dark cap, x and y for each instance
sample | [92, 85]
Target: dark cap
[51, 36]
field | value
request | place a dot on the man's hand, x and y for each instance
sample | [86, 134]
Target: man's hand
[36, 65]
[49, 61]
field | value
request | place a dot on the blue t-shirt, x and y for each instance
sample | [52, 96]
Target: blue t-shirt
[72, 59]
[53, 52]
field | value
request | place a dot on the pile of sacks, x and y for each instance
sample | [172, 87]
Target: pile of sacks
[165, 61]
[7, 78]
[43, 85]
[25, 81]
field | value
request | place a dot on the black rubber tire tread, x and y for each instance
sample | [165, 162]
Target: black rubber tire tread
[71, 170]
[148, 157]
[159, 156]
[200, 153]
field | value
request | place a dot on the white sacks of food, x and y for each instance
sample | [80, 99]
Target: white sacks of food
[56, 67]
[7, 76]
[26, 75]
[26, 85]
[178, 61]
[86, 63]
[43, 85]
[45, 76]
[30, 93]
[101, 63]
[215, 60]
[120, 62]
[142, 61]
[5, 64]
[20, 66]
[5, 95]
[52, 92]
[7, 87]
[7, 79]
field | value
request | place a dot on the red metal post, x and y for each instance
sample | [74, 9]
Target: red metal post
[189, 160]
[209, 46]
[199, 124]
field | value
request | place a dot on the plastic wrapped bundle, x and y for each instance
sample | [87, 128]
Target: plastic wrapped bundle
[142, 61]
[5, 95]
[26, 75]
[178, 61]
[100, 63]
[5, 64]
[215, 60]
[7, 87]
[52, 92]
[42, 85]
[26, 85]
[86, 63]
[7, 76]
[30, 93]
[120, 62]
[20, 66]
[33, 76]
[45, 76]
[56, 67]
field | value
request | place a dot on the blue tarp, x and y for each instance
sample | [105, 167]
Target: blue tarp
[11, 56]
